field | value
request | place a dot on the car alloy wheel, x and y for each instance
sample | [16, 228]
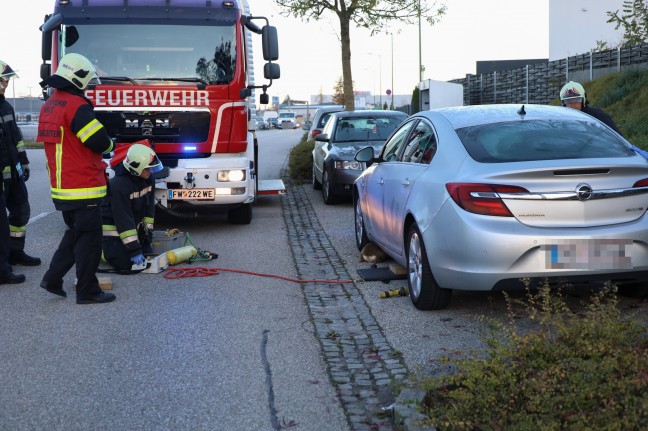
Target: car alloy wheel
[316, 184]
[327, 194]
[360, 232]
[425, 293]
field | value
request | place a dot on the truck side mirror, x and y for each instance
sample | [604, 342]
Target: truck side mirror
[270, 43]
[271, 71]
[45, 71]
[46, 45]
[264, 99]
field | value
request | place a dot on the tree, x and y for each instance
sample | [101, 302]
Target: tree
[370, 14]
[634, 21]
[415, 100]
[338, 92]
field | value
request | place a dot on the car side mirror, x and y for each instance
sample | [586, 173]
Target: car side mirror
[322, 137]
[365, 155]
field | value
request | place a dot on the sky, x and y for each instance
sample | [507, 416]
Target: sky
[310, 55]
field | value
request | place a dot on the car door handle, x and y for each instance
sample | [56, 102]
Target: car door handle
[405, 182]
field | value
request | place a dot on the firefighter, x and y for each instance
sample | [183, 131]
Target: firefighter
[128, 211]
[15, 172]
[572, 95]
[6, 274]
[74, 141]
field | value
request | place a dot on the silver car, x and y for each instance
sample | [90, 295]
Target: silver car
[480, 197]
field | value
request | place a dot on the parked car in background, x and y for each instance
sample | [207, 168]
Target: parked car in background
[334, 169]
[321, 116]
[273, 123]
[481, 197]
[261, 124]
[288, 120]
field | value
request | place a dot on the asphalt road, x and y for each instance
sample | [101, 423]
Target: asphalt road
[226, 352]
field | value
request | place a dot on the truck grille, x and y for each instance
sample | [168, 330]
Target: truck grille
[159, 127]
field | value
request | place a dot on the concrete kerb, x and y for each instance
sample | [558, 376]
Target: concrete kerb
[361, 363]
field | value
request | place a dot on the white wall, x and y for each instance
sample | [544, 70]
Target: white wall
[576, 25]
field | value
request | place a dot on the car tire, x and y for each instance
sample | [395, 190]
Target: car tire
[424, 291]
[360, 231]
[240, 215]
[316, 184]
[327, 194]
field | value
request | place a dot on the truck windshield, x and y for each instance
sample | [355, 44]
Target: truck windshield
[200, 53]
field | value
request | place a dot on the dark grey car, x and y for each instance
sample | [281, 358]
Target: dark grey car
[334, 167]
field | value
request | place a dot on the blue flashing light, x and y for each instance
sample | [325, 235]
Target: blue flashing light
[189, 148]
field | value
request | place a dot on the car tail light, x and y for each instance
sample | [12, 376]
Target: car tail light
[482, 198]
[315, 133]
[641, 183]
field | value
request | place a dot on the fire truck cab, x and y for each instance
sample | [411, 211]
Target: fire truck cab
[180, 74]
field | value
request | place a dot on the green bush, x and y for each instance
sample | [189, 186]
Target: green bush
[300, 160]
[575, 371]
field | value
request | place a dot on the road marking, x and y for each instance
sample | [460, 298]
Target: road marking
[38, 217]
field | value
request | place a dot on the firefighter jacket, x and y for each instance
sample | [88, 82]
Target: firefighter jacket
[74, 140]
[128, 212]
[12, 147]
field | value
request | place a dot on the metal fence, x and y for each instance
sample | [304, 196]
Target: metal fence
[541, 83]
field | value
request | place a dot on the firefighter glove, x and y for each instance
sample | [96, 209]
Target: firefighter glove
[25, 169]
[139, 259]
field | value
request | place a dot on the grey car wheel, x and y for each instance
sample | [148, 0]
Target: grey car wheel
[360, 232]
[327, 194]
[316, 184]
[424, 292]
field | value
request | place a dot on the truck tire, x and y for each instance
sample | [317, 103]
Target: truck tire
[240, 215]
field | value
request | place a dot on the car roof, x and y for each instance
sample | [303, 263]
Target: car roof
[473, 115]
[368, 113]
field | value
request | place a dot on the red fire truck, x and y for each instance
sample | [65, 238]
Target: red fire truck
[178, 73]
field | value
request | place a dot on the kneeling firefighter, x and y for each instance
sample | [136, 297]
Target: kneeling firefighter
[128, 211]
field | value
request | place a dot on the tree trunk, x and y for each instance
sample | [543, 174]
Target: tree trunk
[347, 79]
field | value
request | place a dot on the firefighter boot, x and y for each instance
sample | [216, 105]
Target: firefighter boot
[55, 288]
[19, 257]
[11, 278]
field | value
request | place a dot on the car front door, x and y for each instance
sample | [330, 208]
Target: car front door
[399, 177]
[375, 222]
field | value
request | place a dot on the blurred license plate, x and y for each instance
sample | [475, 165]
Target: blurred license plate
[191, 194]
[588, 254]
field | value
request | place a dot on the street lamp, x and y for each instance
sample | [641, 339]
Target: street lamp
[379, 76]
[392, 70]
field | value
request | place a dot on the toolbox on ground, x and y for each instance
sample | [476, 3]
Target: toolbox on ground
[163, 241]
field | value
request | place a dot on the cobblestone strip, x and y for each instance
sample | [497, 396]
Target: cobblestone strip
[361, 363]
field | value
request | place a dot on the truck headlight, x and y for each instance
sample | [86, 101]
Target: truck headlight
[345, 164]
[235, 175]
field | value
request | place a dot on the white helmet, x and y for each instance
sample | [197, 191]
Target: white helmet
[6, 71]
[76, 69]
[573, 92]
[140, 157]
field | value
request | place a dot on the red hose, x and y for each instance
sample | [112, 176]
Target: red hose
[201, 271]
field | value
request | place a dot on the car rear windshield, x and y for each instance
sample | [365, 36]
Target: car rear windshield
[357, 129]
[520, 141]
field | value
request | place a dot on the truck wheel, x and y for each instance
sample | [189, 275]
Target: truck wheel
[240, 215]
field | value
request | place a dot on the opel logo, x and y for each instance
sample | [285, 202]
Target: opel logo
[583, 192]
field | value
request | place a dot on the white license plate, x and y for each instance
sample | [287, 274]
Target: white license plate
[591, 254]
[191, 194]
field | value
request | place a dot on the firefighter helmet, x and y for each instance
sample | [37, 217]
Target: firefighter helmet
[6, 71]
[572, 92]
[140, 157]
[76, 69]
